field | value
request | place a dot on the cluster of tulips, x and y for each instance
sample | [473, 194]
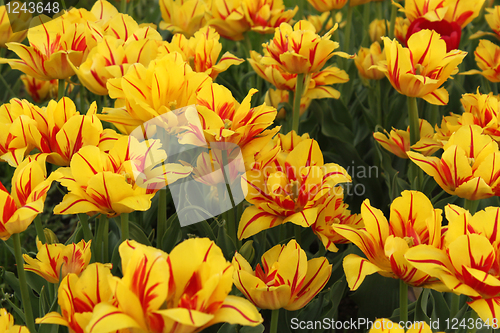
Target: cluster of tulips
[122, 115]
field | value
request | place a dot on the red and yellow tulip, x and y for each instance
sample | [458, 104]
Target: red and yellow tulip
[412, 221]
[144, 93]
[286, 278]
[317, 84]
[184, 16]
[27, 197]
[299, 49]
[398, 141]
[41, 90]
[202, 52]
[469, 166]
[368, 57]
[54, 261]
[333, 212]
[184, 291]
[468, 264]
[287, 183]
[228, 18]
[416, 72]
[112, 57]
[15, 125]
[54, 43]
[61, 131]
[13, 26]
[486, 55]
[78, 296]
[264, 16]
[7, 323]
[376, 30]
[122, 181]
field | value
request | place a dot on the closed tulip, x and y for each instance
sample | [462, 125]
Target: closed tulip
[416, 72]
[286, 278]
[468, 166]
[412, 221]
[181, 16]
[228, 18]
[486, 55]
[366, 58]
[54, 261]
[264, 16]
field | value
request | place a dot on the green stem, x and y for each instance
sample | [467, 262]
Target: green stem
[347, 34]
[289, 115]
[125, 227]
[28, 312]
[274, 320]
[366, 24]
[414, 138]
[454, 305]
[403, 301]
[123, 8]
[162, 218]
[39, 229]
[391, 28]
[231, 223]
[84, 221]
[105, 240]
[380, 111]
[471, 205]
[299, 87]
[60, 90]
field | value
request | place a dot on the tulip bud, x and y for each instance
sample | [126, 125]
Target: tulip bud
[248, 251]
[367, 58]
[50, 236]
[376, 30]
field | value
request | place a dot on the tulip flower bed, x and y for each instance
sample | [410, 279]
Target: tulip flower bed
[178, 166]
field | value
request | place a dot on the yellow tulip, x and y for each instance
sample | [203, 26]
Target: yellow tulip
[15, 129]
[79, 295]
[486, 55]
[287, 183]
[327, 5]
[202, 52]
[412, 221]
[228, 18]
[184, 291]
[332, 212]
[144, 93]
[366, 58]
[29, 187]
[468, 265]
[299, 49]
[317, 83]
[398, 141]
[112, 57]
[264, 16]
[377, 30]
[13, 26]
[184, 16]
[54, 43]
[460, 12]
[122, 181]
[401, 29]
[61, 131]
[7, 323]
[286, 278]
[416, 72]
[54, 261]
[469, 166]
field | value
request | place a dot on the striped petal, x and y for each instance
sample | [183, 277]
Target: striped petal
[356, 269]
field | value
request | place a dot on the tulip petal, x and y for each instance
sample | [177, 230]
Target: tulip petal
[107, 318]
[255, 220]
[187, 316]
[237, 310]
[488, 310]
[356, 269]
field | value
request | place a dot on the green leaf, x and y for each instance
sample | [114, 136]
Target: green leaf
[228, 328]
[421, 307]
[137, 234]
[172, 236]
[255, 329]
[225, 243]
